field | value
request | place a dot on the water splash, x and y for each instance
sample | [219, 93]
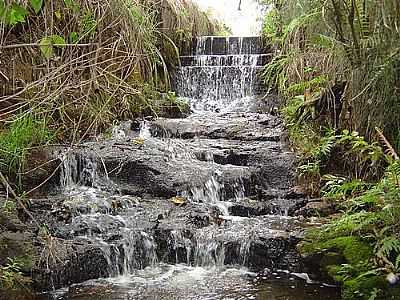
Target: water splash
[78, 170]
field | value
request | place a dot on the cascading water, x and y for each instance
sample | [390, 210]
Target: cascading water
[222, 72]
[159, 246]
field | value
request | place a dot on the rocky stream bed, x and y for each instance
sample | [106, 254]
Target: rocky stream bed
[202, 207]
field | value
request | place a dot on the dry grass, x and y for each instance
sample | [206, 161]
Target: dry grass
[116, 61]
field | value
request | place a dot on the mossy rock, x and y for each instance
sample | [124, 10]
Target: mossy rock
[362, 288]
[353, 249]
[332, 258]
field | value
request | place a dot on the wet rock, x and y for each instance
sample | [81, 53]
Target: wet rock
[277, 206]
[17, 246]
[232, 126]
[143, 169]
[317, 208]
[276, 252]
[69, 262]
[268, 160]
[9, 220]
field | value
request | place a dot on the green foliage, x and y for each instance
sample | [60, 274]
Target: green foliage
[356, 42]
[373, 214]
[11, 276]
[337, 187]
[321, 44]
[36, 5]
[12, 14]
[72, 5]
[315, 83]
[15, 142]
[73, 37]
[272, 26]
[48, 43]
[275, 73]
[388, 249]
[353, 249]
[88, 25]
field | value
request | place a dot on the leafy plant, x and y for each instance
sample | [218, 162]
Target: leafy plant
[36, 5]
[13, 14]
[388, 250]
[11, 276]
[48, 43]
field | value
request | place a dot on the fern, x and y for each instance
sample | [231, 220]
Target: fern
[274, 74]
[340, 188]
[388, 247]
[326, 145]
[351, 224]
[363, 19]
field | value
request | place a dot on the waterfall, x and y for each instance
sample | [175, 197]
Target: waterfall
[222, 71]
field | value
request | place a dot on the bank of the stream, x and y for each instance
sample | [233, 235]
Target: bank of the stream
[72, 69]
[338, 71]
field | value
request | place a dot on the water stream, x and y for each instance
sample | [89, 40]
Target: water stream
[168, 225]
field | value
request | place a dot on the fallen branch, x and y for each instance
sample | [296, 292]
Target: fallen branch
[18, 199]
[40, 45]
[390, 150]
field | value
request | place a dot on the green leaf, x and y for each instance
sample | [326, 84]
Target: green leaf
[36, 5]
[2, 11]
[47, 44]
[58, 14]
[57, 40]
[16, 14]
[73, 37]
[71, 4]
[46, 47]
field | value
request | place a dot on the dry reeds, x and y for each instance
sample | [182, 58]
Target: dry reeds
[113, 61]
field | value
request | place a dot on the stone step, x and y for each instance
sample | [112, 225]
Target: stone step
[218, 45]
[136, 169]
[226, 60]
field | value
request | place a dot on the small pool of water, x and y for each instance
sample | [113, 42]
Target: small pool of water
[173, 282]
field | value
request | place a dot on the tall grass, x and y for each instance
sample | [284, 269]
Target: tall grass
[16, 142]
[355, 42]
[84, 64]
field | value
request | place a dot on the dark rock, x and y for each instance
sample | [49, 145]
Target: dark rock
[277, 206]
[18, 246]
[317, 208]
[140, 169]
[232, 126]
[69, 263]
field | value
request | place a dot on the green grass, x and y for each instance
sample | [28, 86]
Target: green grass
[16, 141]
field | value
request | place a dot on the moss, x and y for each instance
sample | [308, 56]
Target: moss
[353, 249]
[361, 288]
[331, 258]
[334, 272]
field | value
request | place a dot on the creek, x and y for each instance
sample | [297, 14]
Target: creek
[202, 207]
